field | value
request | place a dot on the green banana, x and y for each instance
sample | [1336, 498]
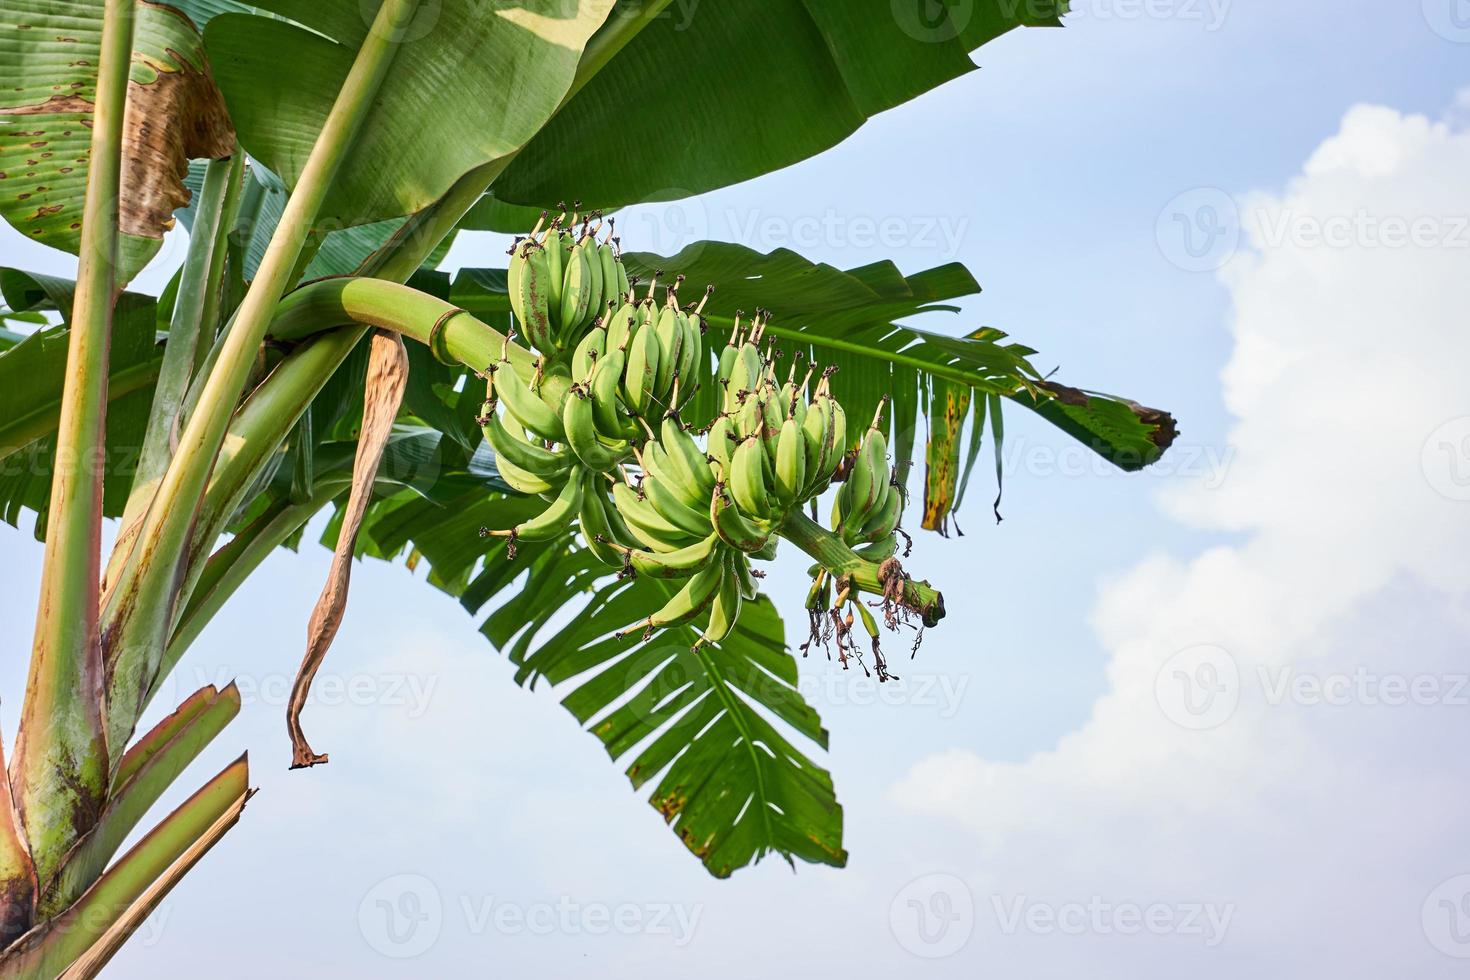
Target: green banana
[873, 456]
[674, 564]
[883, 520]
[577, 291]
[607, 375]
[748, 478]
[751, 418]
[592, 347]
[671, 508]
[724, 610]
[621, 325]
[529, 285]
[685, 457]
[526, 406]
[547, 464]
[650, 527]
[556, 263]
[552, 521]
[656, 462]
[790, 464]
[692, 354]
[814, 431]
[690, 602]
[721, 440]
[597, 528]
[749, 588]
[581, 429]
[525, 481]
[612, 275]
[670, 347]
[734, 528]
[879, 551]
[772, 420]
[641, 372]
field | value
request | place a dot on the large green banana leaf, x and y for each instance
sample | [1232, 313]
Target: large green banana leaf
[48, 79]
[715, 93]
[729, 782]
[471, 82]
[31, 376]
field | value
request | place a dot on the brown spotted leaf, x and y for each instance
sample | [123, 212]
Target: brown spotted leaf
[387, 376]
[948, 406]
[48, 84]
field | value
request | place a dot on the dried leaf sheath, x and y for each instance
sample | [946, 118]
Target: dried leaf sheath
[387, 376]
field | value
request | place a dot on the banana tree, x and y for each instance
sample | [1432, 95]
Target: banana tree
[305, 339]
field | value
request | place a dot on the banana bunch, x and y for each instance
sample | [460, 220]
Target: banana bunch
[561, 282]
[865, 515]
[597, 433]
[869, 505]
[773, 450]
[667, 514]
[662, 346]
[549, 444]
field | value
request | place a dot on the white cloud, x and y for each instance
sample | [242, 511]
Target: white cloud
[1329, 804]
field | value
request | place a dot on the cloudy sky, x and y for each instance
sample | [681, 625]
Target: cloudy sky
[1211, 718]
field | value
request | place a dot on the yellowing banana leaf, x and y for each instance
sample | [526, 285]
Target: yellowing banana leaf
[948, 406]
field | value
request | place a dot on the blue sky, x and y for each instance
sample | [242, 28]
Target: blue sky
[1019, 777]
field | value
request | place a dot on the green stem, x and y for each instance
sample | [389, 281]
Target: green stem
[831, 553]
[218, 258]
[180, 353]
[141, 608]
[131, 799]
[450, 332]
[59, 772]
[208, 353]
